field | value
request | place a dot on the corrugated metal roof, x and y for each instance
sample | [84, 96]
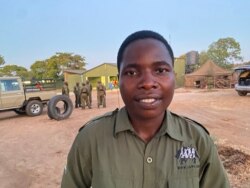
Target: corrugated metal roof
[112, 64]
[74, 71]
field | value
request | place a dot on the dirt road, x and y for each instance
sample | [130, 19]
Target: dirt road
[33, 150]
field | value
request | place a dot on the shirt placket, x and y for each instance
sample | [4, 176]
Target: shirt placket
[148, 165]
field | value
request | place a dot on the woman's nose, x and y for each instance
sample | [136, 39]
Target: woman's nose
[147, 81]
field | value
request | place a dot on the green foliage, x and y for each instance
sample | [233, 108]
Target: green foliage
[54, 66]
[225, 52]
[38, 69]
[203, 57]
[2, 62]
[14, 70]
[68, 60]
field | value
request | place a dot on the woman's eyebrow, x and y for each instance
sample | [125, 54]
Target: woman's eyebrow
[154, 63]
[161, 63]
[131, 65]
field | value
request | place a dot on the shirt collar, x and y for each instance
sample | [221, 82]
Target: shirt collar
[122, 122]
[168, 127]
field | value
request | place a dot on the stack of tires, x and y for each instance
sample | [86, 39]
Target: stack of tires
[60, 113]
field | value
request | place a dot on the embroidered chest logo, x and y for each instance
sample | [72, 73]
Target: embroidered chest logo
[187, 157]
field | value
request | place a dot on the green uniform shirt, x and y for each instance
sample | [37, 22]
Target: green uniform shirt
[77, 90]
[101, 90]
[85, 90]
[65, 90]
[107, 153]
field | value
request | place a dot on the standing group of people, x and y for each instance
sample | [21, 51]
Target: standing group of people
[83, 94]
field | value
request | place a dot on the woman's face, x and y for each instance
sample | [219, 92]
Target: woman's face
[147, 79]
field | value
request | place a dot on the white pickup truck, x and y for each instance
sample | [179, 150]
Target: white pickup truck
[243, 84]
[30, 101]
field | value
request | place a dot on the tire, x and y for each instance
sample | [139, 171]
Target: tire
[54, 112]
[34, 108]
[49, 112]
[242, 93]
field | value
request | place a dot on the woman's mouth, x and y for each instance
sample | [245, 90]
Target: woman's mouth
[148, 101]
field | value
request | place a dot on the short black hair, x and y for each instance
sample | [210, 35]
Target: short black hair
[143, 34]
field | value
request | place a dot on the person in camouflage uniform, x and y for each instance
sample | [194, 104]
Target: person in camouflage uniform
[84, 96]
[77, 92]
[101, 94]
[89, 86]
[65, 89]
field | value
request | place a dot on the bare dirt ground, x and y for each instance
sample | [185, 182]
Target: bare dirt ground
[33, 150]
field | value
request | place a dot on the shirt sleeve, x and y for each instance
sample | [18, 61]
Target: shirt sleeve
[214, 174]
[77, 173]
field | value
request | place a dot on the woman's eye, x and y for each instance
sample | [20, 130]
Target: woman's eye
[162, 70]
[131, 73]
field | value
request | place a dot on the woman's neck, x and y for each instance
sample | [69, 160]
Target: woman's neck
[146, 129]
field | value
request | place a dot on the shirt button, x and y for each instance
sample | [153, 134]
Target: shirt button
[149, 160]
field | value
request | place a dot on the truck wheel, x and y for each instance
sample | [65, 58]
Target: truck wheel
[60, 113]
[34, 108]
[242, 93]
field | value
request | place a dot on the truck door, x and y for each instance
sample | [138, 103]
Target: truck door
[11, 93]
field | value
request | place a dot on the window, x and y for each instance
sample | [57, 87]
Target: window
[9, 85]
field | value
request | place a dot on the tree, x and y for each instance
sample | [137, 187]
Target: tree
[71, 61]
[2, 62]
[14, 70]
[225, 52]
[203, 57]
[38, 69]
[53, 67]
[68, 61]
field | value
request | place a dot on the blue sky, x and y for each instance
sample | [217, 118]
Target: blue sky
[32, 30]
